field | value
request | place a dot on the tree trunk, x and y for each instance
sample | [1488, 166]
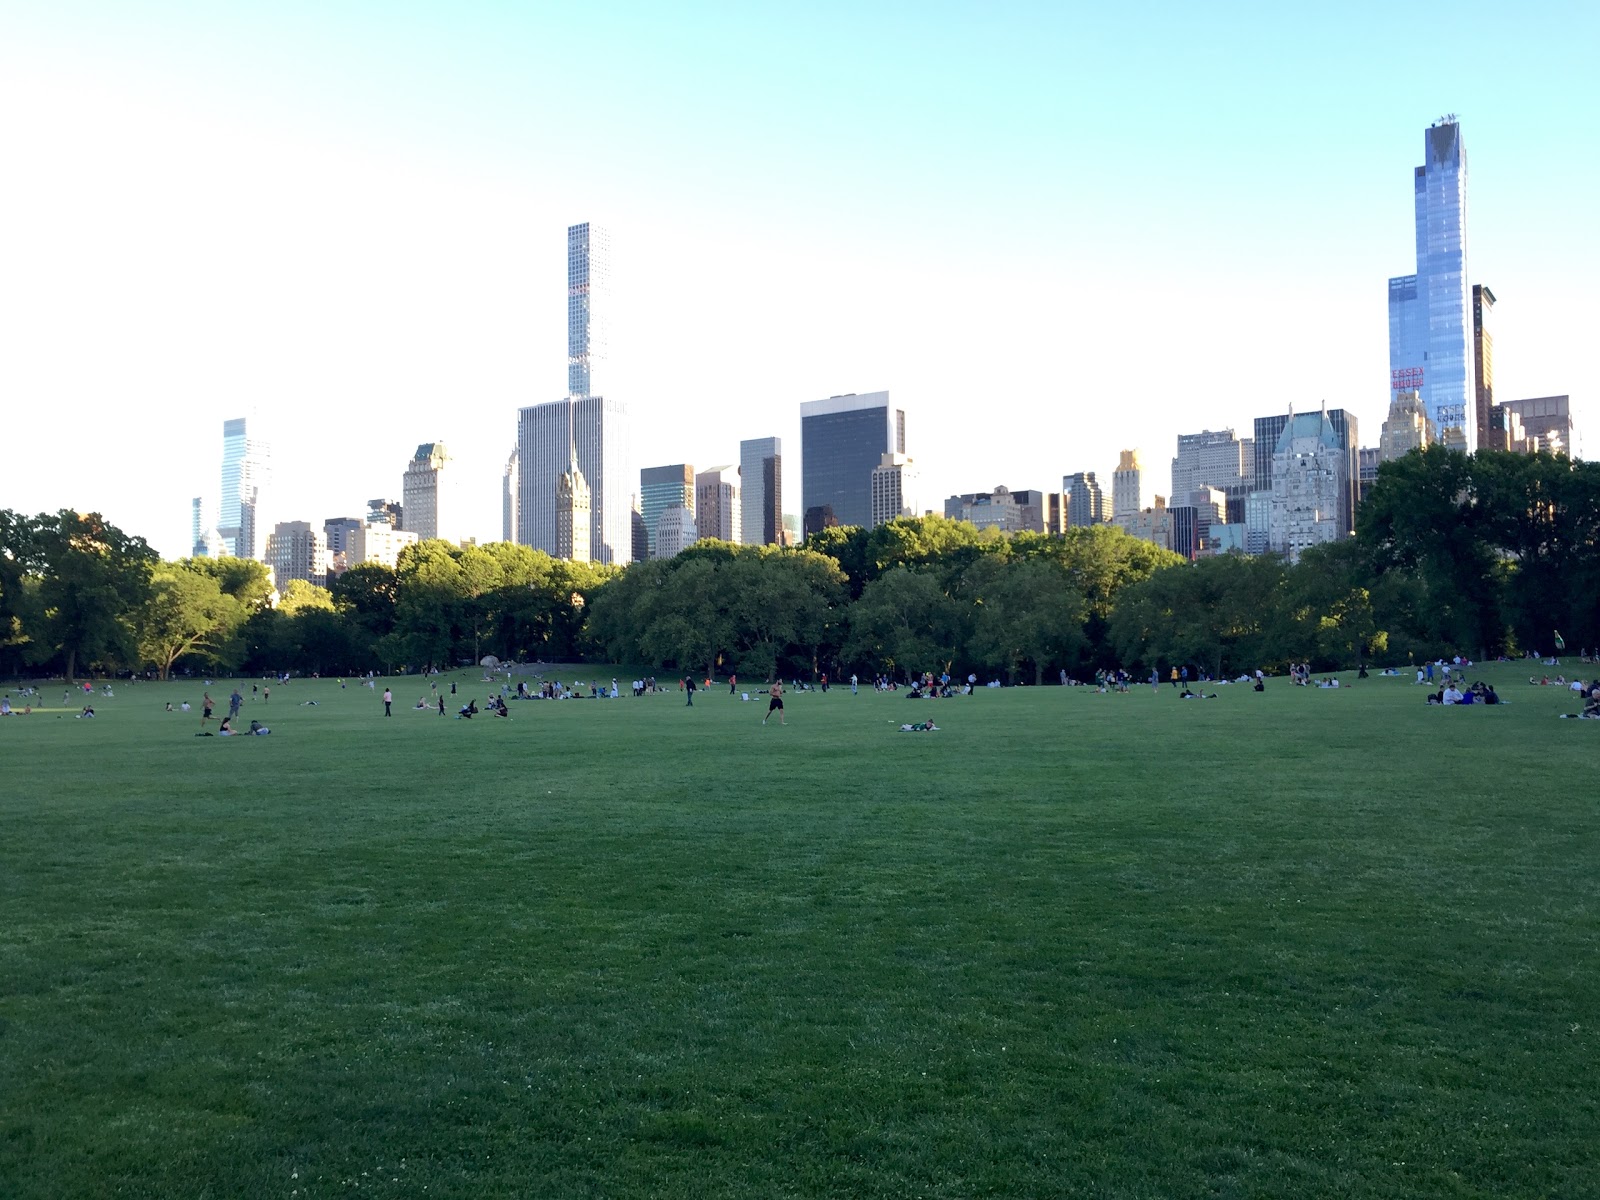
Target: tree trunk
[1038, 674]
[72, 667]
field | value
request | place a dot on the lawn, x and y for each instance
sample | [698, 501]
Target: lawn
[1297, 943]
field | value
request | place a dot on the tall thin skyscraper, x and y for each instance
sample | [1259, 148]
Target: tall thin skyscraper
[761, 490]
[588, 308]
[426, 495]
[1430, 312]
[510, 495]
[1483, 370]
[246, 474]
[842, 441]
[586, 423]
[1127, 486]
[197, 540]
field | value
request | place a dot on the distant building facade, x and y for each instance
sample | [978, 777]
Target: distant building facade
[1546, 422]
[1211, 458]
[761, 491]
[1430, 312]
[1309, 486]
[588, 308]
[716, 503]
[675, 531]
[1086, 503]
[894, 489]
[573, 500]
[842, 441]
[1348, 432]
[1010, 512]
[547, 434]
[425, 494]
[377, 542]
[295, 550]
[510, 494]
[1127, 486]
[1152, 524]
[660, 488]
[246, 479]
[1407, 427]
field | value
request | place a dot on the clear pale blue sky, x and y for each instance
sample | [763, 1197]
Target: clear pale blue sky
[1051, 233]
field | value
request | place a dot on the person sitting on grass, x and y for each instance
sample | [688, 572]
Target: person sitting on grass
[226, 728]
[469, 709]
[257, 729]
[88, 711]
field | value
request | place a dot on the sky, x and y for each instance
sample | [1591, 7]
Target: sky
[1050, 231]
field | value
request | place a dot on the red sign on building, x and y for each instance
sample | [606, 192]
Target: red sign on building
[1406, 379]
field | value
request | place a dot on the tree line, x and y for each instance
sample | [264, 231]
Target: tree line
[1480, 555]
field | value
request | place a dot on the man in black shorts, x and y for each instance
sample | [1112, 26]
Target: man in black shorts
[775, 705]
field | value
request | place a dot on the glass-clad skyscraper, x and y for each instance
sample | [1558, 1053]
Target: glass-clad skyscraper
[1430, 312]
[588, 307]
[761, 490]
[246, 465]
[842, 441]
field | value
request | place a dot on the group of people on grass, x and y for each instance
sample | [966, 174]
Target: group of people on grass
[1478, 693]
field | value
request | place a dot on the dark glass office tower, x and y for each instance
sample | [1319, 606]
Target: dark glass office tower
[842, 439]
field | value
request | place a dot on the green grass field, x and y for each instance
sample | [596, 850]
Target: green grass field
[1304, 943]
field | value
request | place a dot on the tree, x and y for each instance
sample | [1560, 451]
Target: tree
[1423, 517]
[93, 579]
[1027, 611]
[186, 613]
[1223, 613]
[904, 621]
[246, 580]
[299, 596]
[17, 588]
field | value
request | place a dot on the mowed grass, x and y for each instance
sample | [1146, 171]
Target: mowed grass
[1304, 943]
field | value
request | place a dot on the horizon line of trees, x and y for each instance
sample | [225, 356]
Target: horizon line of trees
[1483, 554]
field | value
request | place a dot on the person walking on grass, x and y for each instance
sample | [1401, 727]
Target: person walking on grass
[388, 699]
[688, 687]
[775, 704]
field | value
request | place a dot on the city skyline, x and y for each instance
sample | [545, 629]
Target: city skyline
[389, 292]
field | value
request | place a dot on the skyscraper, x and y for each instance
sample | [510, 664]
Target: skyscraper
[1346, 429]
[246, 475]
[1212, 458]
[659, 489]
[509, 496]
[297, 551]
[588, 307]
[1127, 486]
[1309, 488]
[425, 494]
[1430, 312]
[197, 526]
[572, 513]
[1483, 368]
[716, 503]
[585, 427]
[894, 489]
[546, 435]
[842, 441]
[1086, 503]
[761, 491]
